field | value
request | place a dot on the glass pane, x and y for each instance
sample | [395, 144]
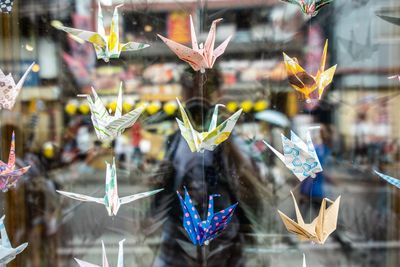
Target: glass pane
[103, 100]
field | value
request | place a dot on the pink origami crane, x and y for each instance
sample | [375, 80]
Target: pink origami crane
[199, 57]
[8, 175]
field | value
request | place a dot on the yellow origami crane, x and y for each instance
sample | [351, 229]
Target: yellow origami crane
[305, 83]
[320, 228]
[106, 46]
[201, 141]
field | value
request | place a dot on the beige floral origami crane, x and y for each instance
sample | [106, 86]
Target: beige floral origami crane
[9, 90]
[320, 228]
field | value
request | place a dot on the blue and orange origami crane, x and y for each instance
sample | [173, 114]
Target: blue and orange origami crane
[202, 232]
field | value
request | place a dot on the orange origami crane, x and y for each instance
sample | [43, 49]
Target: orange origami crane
[320, 228]
[199, 57]
[305, 83]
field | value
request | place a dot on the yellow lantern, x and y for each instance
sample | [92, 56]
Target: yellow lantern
[260, 105]
[153, 107]
[84, 108]
[246, 105]
[48, 150]
[126, 106]
[71, 108]
[112, 106]
[231, 106]
[170, 108]
[140, 104]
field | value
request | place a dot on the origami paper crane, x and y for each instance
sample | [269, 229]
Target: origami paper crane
[111, 200]
[305, 83]
[394, 77]
[300, 157]
[320, 228]
[356, 50]
[309, 7]
[106, 125]
[106, 46]
[9, 176]
[7, 252]
[199, 57]
[393, 20]
[107, 2]
[202, 232]
[105, 260]
[9, 91]
[213, 137]
[6, 6]
[389, 179]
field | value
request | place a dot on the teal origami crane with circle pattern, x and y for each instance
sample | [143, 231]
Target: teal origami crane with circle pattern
[300, 157]
[389, 179]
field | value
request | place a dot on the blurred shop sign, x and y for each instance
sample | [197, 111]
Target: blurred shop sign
[178, 26]
[107, 79]
[160, 92]
[49, 93]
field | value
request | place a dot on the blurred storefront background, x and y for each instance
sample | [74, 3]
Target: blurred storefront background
[358, 116]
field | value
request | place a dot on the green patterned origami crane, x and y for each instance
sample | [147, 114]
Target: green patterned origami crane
[111, 200]
[309, 7]
[106, 125]
[106, 46]
[209, 140]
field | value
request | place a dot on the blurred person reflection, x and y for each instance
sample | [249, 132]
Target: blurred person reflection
[361, 132]
[83, 141]
[136, 137]
[227, 171]
[313, 190]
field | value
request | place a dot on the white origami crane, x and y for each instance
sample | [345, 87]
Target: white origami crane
[209, 140]
[9, 91]
[111, 200]
[394, 77]
[106, 46]
[106, 125]
[107, 2]
[105, 261]
[7, 252]
[300, 157]
[199, 57]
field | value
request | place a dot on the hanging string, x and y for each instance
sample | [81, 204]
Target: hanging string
[309, 114]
